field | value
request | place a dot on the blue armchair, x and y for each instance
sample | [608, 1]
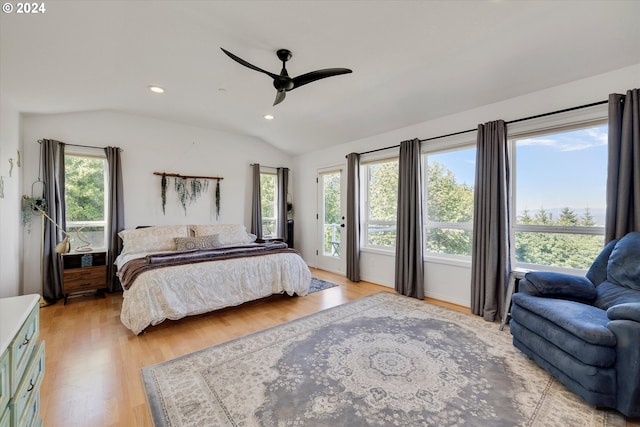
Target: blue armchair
[585, 331]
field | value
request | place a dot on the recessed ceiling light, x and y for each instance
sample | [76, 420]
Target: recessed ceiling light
[268, 117]
[156, 89]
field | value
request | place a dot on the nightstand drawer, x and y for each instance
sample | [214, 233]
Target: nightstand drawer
[22, 347]
[26, 404]
[81, 279]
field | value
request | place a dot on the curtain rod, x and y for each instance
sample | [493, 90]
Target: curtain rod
[177, 175]
[40, 141]
[566, 110]
[265, 166]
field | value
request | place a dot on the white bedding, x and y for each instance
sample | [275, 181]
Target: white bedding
[184, 290]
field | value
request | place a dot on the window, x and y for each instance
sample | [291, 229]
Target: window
[448, 201]
[381, 203]
[559, 192]
[86, 199]
[269, 203]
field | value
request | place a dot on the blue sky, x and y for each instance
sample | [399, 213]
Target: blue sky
[553, 171]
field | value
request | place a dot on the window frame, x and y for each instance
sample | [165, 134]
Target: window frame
[91, 153]
[265, 170]
[365, 162]
[556, 123]
[463, 141]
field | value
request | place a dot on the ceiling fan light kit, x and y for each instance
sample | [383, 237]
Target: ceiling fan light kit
[282, 82]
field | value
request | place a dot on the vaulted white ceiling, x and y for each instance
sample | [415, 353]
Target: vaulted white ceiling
[412, 61]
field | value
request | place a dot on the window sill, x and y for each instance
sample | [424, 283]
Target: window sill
[448, 260]
[386, 252]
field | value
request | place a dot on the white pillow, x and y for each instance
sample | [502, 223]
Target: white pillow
[152, 239]
[228, 234]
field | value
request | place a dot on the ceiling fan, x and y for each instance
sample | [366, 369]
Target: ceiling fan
[282, 82]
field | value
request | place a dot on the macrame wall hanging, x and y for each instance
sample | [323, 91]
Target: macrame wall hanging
[189, 188]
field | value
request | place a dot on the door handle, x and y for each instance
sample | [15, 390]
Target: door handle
[342, 225]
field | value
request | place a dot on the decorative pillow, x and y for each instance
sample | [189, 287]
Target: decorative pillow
[624, 262]
[228, 234]
[152, 239]
[561, 285]
[191, 243]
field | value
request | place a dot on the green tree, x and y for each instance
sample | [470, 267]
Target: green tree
[525, 218]
[268, 203]
[84, 188]
[568, 217]
[554, 249]
[383, 202]
[448, 201]
[332, 212]
[542, 217]
[587, 220]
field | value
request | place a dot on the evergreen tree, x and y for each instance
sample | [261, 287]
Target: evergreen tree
[568, 217]
[542, 217]
[587, 219]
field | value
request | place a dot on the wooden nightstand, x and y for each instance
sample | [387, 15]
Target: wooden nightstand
[83, 272]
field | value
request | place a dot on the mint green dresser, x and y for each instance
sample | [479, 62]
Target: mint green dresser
[21, 361]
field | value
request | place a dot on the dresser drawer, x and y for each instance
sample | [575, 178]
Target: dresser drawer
[84, 279]
[22, 347]
[26, 401]
[5, 393]
[5, 418]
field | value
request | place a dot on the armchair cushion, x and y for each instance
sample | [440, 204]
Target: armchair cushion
[598, 271]
[560, 285]
[627, 311]
[611, 294]
[624, 262]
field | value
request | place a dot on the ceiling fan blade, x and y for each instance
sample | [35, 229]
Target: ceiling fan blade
[247, 64]
[280, 97]
[317, 75]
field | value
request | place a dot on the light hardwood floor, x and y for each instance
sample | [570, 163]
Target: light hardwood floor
[93, 362]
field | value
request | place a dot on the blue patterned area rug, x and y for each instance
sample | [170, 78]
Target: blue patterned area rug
[382, 360]
[320, 285]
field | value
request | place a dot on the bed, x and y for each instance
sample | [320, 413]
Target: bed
[170, 272]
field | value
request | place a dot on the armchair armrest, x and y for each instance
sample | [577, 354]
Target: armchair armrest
[558, 285]
[625, 324]
[626, 311]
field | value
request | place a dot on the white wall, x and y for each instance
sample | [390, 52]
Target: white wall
[10, 216]
[152, 145]
[448, 281]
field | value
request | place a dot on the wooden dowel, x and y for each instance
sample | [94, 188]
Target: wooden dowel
[177, 175]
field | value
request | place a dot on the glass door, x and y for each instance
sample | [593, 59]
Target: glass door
[331, 221]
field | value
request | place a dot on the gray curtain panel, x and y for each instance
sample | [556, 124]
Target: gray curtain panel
[409, 277]
[115, 221]
[283, 190]
[256, 202]
[353, 217]
[490, 263]
[623, 178]
[52, 153]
